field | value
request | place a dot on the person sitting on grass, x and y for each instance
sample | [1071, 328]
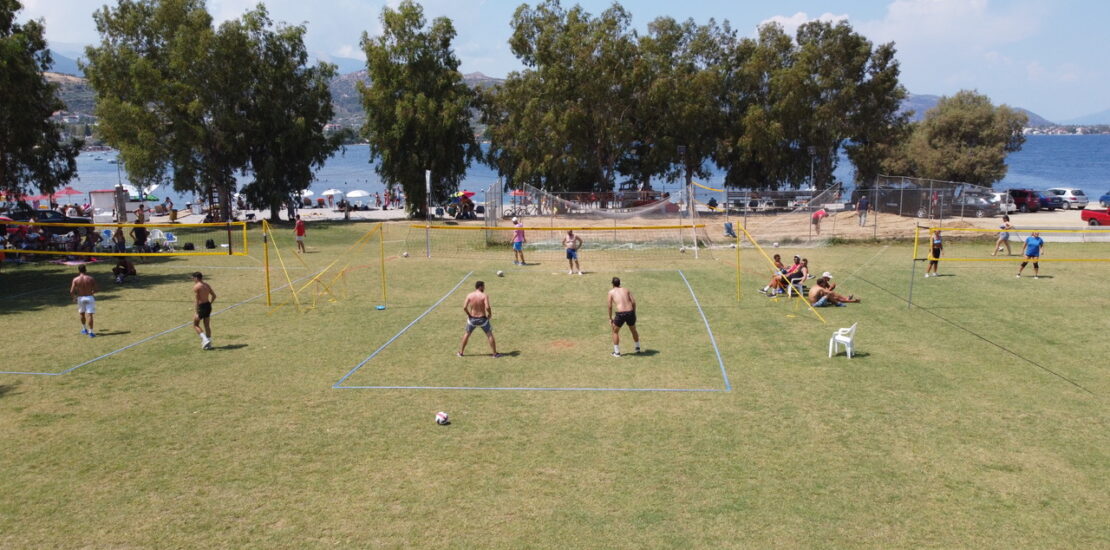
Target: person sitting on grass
[123, 269]
[823, 296]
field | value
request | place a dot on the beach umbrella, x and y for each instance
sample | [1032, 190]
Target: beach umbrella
[66, 191]
[464, 194]
[331, 192]
[358, 193]
[305, 193]
[518, 192]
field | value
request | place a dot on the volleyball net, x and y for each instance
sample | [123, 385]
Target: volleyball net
[123, 239]
[970, 244]
[357, 272]
[602, 243]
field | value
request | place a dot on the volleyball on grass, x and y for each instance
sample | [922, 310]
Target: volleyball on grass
[682, 249]
[441, 418]
[775, 245]
[500, 273]
[405, 254]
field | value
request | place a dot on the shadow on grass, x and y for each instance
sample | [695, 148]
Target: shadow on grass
[230, 347]
[855, 354]
[642, 353]
[5, 389]
[112, 333]
[43, 285]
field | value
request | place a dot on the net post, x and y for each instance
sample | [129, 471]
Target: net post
[381, 257]
[737, 238]
[913, 266]
[266, 259]
[229, 241]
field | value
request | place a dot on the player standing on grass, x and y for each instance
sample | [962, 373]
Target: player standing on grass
[82, 289]
[625, 305]
[572, 243]
[204, 297]
[518, 242]
[298, 232]
[478, 313]
[934, 255]
[1034, 246]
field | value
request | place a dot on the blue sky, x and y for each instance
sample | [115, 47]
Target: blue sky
[1049, 56]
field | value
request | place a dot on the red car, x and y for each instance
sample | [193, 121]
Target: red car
[1096, 217]
[1026, 200]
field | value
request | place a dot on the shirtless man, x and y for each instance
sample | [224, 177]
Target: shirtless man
[204, 296]
[82, 289]
[821, 295]
[572, 243]
[625, 304]
[478, 313]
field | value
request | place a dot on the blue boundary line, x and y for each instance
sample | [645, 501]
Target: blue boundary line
[728, 386]
[339, 384]
[149, 338]
[720, 361]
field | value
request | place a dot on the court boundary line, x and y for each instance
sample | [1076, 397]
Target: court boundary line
[145, 340]
[728, 385]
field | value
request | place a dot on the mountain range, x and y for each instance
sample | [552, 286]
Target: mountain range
[348, 106]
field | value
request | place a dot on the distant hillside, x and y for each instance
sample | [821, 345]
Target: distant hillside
[348, 104]
[65, 65]
[920, 103]
[1101, 117]
[74, 92]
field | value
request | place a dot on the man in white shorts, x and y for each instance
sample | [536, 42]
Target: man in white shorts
[82, 289]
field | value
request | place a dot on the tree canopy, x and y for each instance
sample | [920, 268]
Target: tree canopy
[187, 103]
[964, 138]
[33, 151]
[598, 103]
[417, 106]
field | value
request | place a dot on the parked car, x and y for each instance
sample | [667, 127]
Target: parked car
[1073, 198]
[1105, 200]
[1026, 200]
[971, 205]
[1050, 201]
[1004, 201]
[46, 216]
[1096, 217]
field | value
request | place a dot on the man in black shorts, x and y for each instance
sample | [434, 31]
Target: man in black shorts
[625, 304]
[204, 296]
[478, 314]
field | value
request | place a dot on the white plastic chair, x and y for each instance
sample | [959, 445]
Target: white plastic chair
[157, 237]
[844, 336]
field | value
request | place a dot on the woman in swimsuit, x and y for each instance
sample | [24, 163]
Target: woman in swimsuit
[1003, 237]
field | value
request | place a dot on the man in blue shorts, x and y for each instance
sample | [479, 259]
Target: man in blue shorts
[518, 242]
[1034, 247]
[572, 243]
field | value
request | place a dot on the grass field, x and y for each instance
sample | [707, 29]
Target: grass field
[977, 418]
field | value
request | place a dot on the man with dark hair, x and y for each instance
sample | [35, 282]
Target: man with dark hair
[82, 290]
[478, 315]
[625, 304]
[203, 296]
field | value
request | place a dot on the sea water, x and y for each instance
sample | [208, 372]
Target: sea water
[1043, 162]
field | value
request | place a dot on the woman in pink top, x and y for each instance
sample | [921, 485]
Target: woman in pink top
[518, 242]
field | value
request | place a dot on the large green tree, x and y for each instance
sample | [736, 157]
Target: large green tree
[564, 123]
[196, 106]
[417, 106]
[33, 151]
[964, 138]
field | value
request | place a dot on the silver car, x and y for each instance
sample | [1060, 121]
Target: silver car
[1073, 198]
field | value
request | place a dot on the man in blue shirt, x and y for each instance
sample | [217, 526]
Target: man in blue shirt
[861, 210]
[1034, 245]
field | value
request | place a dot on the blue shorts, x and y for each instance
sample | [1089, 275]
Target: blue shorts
[572, 254]
[518, 245]
[824, 302]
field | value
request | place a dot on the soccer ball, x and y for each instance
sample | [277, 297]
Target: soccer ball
[500, 273]
[441, 418]
[404, 254]
[732, 245]
[682, 249]
[775, 245]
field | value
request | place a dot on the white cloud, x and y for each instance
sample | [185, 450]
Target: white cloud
[791, 23]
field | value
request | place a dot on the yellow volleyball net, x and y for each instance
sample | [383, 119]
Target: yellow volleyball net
[1009, 244]
[91, 240]
[358, 271]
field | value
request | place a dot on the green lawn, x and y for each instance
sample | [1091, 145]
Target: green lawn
[978, 418]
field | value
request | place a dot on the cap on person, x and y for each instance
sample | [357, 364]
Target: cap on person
[827, 275]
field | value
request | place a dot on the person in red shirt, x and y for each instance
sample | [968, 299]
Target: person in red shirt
[298, 230]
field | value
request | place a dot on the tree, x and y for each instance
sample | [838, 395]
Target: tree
[964, 138]
[196, 106]
[33, 153]
[417, 105]
[564, 122]
[289, 106]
